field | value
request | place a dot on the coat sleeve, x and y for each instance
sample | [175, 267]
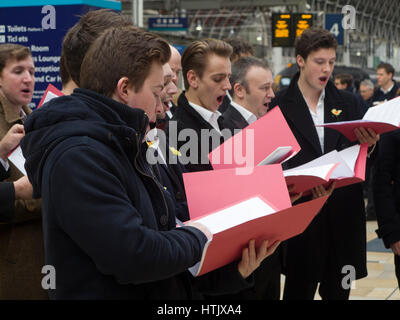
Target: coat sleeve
[384, 194]
[89, 201]
[7, 196]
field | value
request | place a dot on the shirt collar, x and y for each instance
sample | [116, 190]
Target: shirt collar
[205, 113]
[246, 114]
[388, 90]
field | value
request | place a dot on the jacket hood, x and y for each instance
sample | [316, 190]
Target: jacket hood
[84, 113]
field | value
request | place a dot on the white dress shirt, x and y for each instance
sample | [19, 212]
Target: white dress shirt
[208, 116]
[318, 118]
[246, 114]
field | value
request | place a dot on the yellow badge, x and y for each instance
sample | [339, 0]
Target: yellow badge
[175, 152]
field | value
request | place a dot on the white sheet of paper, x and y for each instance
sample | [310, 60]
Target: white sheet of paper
[385, 112]
[276, 155]
[346, 159]
[319, 171]
[17, 158]
[49, 96]
[237, 214]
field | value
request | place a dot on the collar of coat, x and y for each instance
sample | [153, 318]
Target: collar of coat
[11, 114]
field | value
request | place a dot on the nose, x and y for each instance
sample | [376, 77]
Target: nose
[28, 77]
[159, 107]
[227, 84]
[271, 94]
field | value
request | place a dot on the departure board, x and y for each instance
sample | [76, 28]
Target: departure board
[286, 27]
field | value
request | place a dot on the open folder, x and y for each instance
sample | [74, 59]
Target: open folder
[233, 227]
[252, 145]
[382, 118]
[209, 191]
[346, 167]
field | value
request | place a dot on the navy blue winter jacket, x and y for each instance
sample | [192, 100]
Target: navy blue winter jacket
[108, 225]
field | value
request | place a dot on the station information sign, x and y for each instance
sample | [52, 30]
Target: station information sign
[41, 25]
[286, 27]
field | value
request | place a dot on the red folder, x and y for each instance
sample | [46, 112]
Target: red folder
[253, 144]
[359, 169]
[50, 93]
[347, 127]
[304, 183]
[382, 118]
[209, 191]
[226, 246]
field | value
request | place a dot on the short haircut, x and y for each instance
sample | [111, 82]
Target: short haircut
[345, 78]
[122, 52]
[10, 51]
[196, 53]
[387, 66]
[240, 69]
[79, 38]
[368, 83]
[239, 47]
[313, 39]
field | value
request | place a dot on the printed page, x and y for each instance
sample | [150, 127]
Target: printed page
[319, 171]
[17, 158]
[342, 170]
[237, 214]
[385, 112]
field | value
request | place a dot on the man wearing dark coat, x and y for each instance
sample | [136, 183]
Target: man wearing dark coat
[335, 241]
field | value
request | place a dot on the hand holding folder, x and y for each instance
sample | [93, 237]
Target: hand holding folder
[346, 167]
[238, 208]
[382, 118]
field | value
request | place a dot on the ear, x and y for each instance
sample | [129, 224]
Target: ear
[192, 79]
[300, 61]
[121, 91]
[239, 90]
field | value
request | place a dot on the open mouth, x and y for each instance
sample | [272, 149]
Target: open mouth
[166, 105]
[26, 91]
[323, 79]
[220, 99]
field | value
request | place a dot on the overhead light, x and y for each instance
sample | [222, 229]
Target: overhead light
[198, 27]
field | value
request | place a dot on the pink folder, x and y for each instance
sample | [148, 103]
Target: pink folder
[359, 169]
[50, 93]
[226, 246]
[209, 191]
[255, 142]
[347, 128]
[306, 182]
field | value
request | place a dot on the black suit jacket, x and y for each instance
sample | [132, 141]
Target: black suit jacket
[193, 147]
[339, 229]
[232, 119]
[387, 188]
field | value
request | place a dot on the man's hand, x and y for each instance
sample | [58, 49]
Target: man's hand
[320, 191]
[11, 140]
[396, 248]
[294, 196]
[366, 136]
[23, 189]
[252, 258]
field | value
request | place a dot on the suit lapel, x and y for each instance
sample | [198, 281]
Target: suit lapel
[298, 115]
[233, 119]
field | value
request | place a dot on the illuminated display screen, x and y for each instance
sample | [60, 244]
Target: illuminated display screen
[287, 26]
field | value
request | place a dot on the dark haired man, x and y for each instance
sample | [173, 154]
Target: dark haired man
[387, 86]
[335, 240]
